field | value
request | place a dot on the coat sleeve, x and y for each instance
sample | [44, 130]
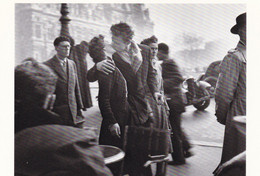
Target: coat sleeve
[92, 74]
[104, 94]
[151, 77]
[226, 85]
[171, 75]
[77, 90]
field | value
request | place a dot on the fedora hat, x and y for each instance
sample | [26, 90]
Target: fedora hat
[240, 21]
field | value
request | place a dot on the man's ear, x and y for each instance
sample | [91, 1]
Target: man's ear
[56, 48]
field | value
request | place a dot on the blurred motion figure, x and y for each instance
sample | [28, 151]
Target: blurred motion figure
[172, 80]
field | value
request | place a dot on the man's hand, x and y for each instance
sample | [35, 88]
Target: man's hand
[237, 161]
[159, 98]
[221, 112]
[115, 130]
[106, 66]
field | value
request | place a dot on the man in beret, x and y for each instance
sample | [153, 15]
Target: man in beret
[34, 95]
[230, 93]
[42, 146]
[68, 102]
[58, 150]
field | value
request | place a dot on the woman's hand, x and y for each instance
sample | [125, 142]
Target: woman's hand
[115, 130]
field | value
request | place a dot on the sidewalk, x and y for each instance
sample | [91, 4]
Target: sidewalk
[203, 163]
[205, 160]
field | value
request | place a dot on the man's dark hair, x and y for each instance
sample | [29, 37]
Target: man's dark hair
[123, 30]
[33, 81]
[61, 39]
[163, 48]
[150, 40]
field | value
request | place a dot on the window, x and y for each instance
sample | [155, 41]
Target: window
[50, 33]
[38, 31]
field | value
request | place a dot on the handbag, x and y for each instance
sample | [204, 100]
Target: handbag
[147, 140]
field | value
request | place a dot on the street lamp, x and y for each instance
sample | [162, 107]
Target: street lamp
[64, 19]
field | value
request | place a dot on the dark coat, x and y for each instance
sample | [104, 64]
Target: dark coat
[68, 98]
[58, 150]
[27, 116]
[113, 105]
[140, 86]
[78, 55]
[172, 80]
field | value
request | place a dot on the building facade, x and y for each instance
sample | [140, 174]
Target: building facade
[37, 25]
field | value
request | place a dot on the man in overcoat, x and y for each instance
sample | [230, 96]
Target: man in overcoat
[68, 102]
[230, 93]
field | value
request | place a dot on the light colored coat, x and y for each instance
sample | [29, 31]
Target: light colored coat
[231, 98]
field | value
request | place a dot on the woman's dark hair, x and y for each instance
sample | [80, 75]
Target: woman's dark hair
[123, 30]
[163, 48]
[61, 39]
[150, 40]
[97, 49]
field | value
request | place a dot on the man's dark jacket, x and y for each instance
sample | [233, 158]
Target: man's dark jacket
[172, 80]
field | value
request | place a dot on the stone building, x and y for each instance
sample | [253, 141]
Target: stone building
[37, 25]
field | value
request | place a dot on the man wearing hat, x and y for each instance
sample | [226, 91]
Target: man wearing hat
[230, 95]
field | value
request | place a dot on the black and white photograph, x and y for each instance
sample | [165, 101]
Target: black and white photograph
[130, 89]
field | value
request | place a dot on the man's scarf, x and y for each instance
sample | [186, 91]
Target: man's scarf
[132, 55]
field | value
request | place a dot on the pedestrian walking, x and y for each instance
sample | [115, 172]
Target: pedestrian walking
[172, 80]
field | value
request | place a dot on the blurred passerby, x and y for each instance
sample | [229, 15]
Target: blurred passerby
[68, 102]
[172, 80]
[230, 93]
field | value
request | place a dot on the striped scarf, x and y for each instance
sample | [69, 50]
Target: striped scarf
[132, 55]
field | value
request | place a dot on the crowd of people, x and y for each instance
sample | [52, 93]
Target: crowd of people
[138, 86]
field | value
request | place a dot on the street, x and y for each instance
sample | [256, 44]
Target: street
[201, 127]
[206, 136]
